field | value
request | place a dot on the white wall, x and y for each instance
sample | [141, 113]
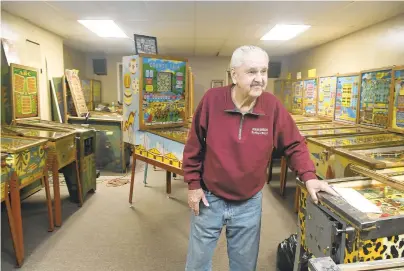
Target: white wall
[51, 46]
[377, 46]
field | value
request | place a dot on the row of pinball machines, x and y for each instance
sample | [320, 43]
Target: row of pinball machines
[32, 147]
[353, 126]
[158, 106]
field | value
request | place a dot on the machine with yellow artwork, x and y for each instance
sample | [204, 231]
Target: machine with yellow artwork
[363, 224]
[61, 156]
[297, 100]
[397, 100]
[322, 149]
[156, 109]
[375, 90]
[86, 151]
[327, 87]
[26, 112]
[24, 162]
[310, 97]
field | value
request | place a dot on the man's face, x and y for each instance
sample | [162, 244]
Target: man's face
[252, 76]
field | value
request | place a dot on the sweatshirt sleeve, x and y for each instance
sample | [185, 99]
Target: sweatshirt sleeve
[291, 143]
[194, 149]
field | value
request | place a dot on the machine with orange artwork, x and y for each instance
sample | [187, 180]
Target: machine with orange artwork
[156, 110]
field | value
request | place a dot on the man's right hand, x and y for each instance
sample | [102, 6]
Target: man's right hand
[194, 197]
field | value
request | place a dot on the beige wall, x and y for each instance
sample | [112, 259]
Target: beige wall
[74, 59]
[51, 49]
[205, 70]
[109, 81]
[378, 46]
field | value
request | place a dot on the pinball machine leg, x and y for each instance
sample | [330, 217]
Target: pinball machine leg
[56, 193]
[270, 170]
[79, 188]
[132, 178]
[48, 199]
[146, 167]
[16, 211]
[284, 175]
[297, 195]
[298, 253]
[168, 183]
[13, 229]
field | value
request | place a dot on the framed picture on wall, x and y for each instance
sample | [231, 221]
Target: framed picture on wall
[217, 83]
[145, 45]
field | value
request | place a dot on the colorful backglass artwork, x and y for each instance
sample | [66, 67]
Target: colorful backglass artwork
[398, 109]
[346, 98]
[297, 97]
[25, 91]
[163, 94]
[74, 83]
[374, 98]
[326, 96]
[310, 96]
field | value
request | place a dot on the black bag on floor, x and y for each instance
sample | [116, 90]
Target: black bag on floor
[285, 255]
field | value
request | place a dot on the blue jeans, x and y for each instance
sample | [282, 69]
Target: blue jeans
[243, 226]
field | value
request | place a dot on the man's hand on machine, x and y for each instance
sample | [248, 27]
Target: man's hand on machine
[314, 186]
[194, 197]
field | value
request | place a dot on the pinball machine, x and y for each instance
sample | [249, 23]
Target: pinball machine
[322, 149]
[61, 157]
[112, 152]
[327, 264]
[157, 108]
[86, 151]
[26, 108]
[363, 224]
[24, 162]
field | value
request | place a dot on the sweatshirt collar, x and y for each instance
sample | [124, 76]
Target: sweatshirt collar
[231, 107]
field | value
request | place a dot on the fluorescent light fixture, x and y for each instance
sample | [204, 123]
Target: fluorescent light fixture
[104, 28]
[285, 32]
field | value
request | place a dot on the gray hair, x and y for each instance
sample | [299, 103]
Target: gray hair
[238, 54]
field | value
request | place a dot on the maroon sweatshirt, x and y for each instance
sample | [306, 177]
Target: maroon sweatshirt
[229, 151]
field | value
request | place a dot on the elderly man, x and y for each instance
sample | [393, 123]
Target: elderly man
[234, 131]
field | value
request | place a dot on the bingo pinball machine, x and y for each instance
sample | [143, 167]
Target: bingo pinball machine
[25, 162]
[297, 100]
[327, 88]
[397, 100]
[86, 151]
[363, 224]
[61, 156]
[322, 149]
[326, 132]
[112, 153]
[155, 111]
[346, 98]
[376, 87]
[310, 97]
